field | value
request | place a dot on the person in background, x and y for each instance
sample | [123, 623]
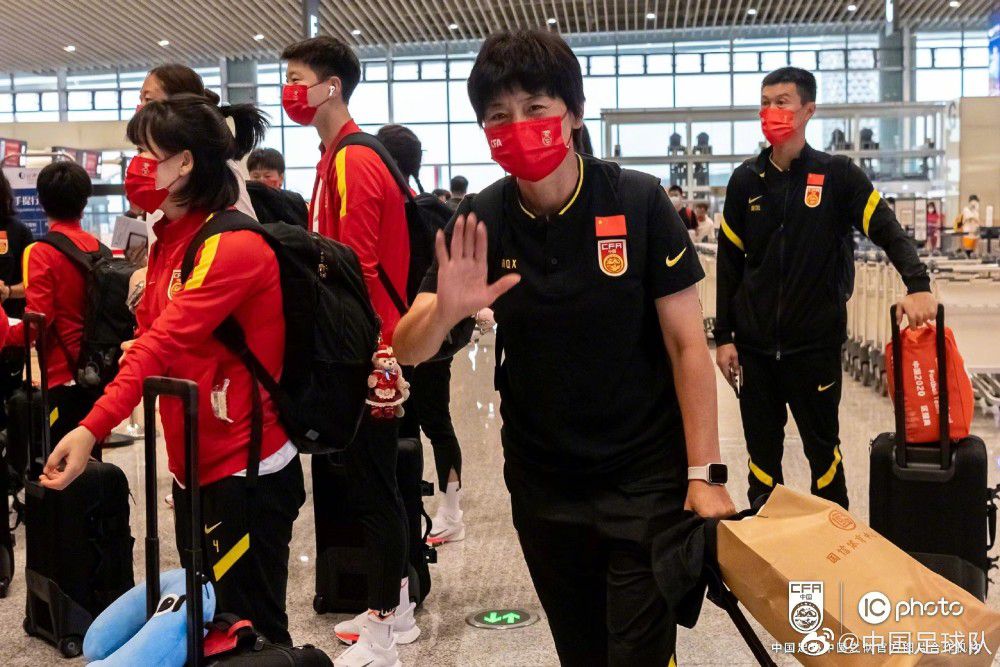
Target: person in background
[55, 286]
[442, 195]
[459, 188]
[599, 429]
[785, 272]
[933, 226]
[357, 201]
[430, 386]
[271, 201]
[705, 231]
[176, 79]
[15, 237]
[685, 213]
[248, 503]
[970, 225]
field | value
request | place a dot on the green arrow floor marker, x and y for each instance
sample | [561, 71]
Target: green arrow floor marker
[501, 619]
[493, 617]
[511, 617]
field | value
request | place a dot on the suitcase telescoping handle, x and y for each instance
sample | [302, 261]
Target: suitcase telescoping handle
[37, 322]
[900, 398]
[187, 392]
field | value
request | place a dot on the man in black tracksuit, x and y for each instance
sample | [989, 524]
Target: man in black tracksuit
[785, 273]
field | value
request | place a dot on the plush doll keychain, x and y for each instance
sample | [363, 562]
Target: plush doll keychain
[387, 389]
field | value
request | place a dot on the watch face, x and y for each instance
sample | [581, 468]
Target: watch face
[718, 473]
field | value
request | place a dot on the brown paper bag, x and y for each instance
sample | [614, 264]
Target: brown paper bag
[832, 591]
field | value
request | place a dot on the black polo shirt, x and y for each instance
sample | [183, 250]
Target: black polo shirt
[14, 238]
[584, 378]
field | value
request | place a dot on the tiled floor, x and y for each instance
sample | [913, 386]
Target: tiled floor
[486, 569]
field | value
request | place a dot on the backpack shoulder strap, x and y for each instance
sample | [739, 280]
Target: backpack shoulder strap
[217, 223]
[81, 258]
[372, 142]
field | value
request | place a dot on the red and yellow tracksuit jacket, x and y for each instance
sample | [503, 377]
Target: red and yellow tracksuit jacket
[236, 273]
[56, 287]
[356, 201]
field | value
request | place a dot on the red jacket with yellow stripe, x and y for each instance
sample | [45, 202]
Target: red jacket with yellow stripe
[56, 287]
[236, 273]
[356, 201]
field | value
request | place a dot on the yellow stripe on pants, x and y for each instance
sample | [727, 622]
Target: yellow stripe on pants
[226, 562]
[764, 478]
[825, 480]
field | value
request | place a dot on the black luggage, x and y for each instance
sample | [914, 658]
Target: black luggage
[6, 532]
[78, 543]
[248, 647]
[341, 563]
[933, 500]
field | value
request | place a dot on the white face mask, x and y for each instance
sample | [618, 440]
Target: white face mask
[677, 202]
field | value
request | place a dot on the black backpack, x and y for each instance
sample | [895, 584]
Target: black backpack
[331, 332]
[107, 320]
[425, 215]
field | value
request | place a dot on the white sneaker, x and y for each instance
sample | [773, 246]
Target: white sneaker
[446, 528]
[404, 627]
[367, 653]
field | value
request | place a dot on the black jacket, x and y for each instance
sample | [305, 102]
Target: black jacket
[786, 252]
[273, 205]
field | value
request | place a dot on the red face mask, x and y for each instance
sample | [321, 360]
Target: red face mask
[530, 149]
[295, 101]
[272, 182]
[778, 124]
[140, 184]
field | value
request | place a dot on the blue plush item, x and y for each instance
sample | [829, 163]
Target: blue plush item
[123, 637]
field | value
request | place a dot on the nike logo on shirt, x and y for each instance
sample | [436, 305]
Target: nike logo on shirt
[755, 199]
[209, 530]
[824, 388]
[672, 262]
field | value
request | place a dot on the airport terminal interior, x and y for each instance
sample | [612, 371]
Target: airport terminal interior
[907, 90]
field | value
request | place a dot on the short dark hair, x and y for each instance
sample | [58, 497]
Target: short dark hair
[675, 188]
[701, 204]
[459, 185]
[441, 192]
[804, 81]
[63, 190]
[536, 61]
[266, 158]
[973, 197]
[190, 122]
[404, 147]
[328, 56]
[177, 79]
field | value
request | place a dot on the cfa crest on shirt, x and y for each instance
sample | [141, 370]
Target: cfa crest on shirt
[4, 243]
[176, 285]
[814, 190]
[612, 255]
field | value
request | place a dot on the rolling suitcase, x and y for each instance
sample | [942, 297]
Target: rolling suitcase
[341, 563]
[230, 641]
[78, 556]
[932, 500]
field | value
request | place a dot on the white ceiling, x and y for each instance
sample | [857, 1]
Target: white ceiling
[125, 33]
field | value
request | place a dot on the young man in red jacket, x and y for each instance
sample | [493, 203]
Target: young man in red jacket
[56, 287]
[356, 201]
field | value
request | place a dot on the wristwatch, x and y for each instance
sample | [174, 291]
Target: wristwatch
[713, 473]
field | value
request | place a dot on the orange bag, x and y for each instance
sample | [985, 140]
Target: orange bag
[920, 390]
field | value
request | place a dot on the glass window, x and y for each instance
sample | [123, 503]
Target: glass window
[746, 89]
[602, 65]
[746, 137]
[745, 62]
[269, 74]
[99, 114]
[863, 86]
[370, 102]
[27, 102]
[301, 180]
[480, 175]
[460, 69]
[459, 107]
[433, 141]
[924, 58]
[688, 63]
[301, 147]
[804, 59]
[432, 69]
[703, 90]
[630, 65]
[40, 117]
[938, 85]
[424, 101]
[6, 117]
[947, 58]
[468, 144]
[717, 62]
[6, 102]
[80, 100]
[106, 99]
[976, 82]
[271, 95]
[647, 91]
[600, 93]
[583, 64]
[596, 130]
[376, 71]
[977, 57]
[662, 63]
[405, 70]
[719, 136]
[50, 101]
[92, 81]
[129, 98]
[34, 82]
[861, 59]
[831, 59]
[645, 139]
[772, 60]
